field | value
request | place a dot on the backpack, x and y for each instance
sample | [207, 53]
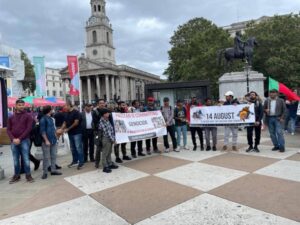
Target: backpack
[36, 135]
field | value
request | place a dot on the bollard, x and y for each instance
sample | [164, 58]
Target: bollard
[1, 173]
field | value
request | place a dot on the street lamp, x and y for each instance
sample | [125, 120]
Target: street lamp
[138, 84]
[247, 69]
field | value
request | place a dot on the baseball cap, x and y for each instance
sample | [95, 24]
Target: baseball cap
[150, 99]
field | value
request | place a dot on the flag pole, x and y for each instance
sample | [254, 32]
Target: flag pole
[80, 90]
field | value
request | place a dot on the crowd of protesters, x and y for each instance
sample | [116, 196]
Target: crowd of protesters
[92, 137]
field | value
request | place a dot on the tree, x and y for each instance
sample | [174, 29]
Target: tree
[29, 80]
[193, 55]
[278, 54]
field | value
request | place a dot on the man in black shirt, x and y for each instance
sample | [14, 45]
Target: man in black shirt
[73, 127]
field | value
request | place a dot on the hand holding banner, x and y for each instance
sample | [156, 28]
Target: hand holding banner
[130, 127]
[227, 115]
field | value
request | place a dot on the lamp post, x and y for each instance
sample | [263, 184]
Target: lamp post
[247, 69]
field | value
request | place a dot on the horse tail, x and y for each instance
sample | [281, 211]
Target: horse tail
[220, 56]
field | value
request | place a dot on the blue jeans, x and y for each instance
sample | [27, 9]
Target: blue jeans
[17, 151]
[276, 132]
[77, 148]
[182, 129]
[293, 124]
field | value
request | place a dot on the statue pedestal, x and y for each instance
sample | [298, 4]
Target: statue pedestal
[237, 83]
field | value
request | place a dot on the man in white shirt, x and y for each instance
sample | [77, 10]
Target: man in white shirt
[88, 122]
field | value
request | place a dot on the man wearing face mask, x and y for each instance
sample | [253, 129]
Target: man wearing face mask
[258, 108]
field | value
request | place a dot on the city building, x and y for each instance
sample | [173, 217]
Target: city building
[241, 26]
[14, 61]
[100, 76]
[54, 83]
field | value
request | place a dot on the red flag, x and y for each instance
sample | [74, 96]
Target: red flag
[74, 75]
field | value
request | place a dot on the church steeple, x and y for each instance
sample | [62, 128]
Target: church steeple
[99, 43]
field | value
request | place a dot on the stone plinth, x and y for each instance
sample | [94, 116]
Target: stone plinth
[237, 83]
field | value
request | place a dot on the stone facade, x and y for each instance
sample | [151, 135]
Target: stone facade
[54, 83]
[100, 77]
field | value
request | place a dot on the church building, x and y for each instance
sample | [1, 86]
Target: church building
[100, 76]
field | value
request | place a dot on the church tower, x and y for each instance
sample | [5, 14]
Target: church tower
[99, 34]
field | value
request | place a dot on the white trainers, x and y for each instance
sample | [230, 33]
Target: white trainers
[176, 150]
[186, 148]
[293, 134]
[167, 150]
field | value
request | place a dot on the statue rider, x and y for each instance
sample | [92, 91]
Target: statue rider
[239, 45]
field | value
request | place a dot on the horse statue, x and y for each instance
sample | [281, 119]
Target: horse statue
[230, 53]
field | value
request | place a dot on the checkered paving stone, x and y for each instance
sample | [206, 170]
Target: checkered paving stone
[211, 210]
[156, 164]
[97, 180]
[193, 155]
[247, 163]
[295, 157]
[143, 198]
[201, 176]
[266, 151]
[84, 210]
[277, 196]
[59, 192]
[285, 169]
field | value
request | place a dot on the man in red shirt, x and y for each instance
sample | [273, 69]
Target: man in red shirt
[18, 129]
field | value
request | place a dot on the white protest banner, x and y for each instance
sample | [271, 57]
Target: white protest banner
[298, 110]
[131, 127]
[225, 115]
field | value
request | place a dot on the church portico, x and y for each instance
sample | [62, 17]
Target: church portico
[100, 77]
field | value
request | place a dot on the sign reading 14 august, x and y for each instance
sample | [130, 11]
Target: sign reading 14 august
[227, 115]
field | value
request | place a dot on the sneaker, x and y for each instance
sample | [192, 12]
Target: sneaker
[256, 149]
[208, 148]
[176, 150]
[44, 176]
[293, 134]
[106, 170]
[15, 179]
[282, 149]
[195, 148]
[92, 160]
[126, 157]
[56, 173]
[141, 154]
[250, 148]
[156, 151]
[186, 148]
[113, 167]
[148, 152]
[234, 148]
[97, 166]
[118, 160]
[224, 148]
[72, 164]
[167, 150]
[80, 166]
[29, 178]
[286, 131]
[214, 148]
[134, 156]
[275, 149]
[202, 148]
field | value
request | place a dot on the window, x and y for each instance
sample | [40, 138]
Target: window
[94, 36]
[54, 93]
[99, 8]
[61, 94]
[53, 84]
[107, 37]
[48, 93]
[95, 8]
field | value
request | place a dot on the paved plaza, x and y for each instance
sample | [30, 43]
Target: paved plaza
[190, 187]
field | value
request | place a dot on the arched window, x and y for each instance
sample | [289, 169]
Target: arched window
[107, 37]
[95, 8]
[99, 8]
[94, 36]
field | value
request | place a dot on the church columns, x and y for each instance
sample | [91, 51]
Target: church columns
[98, 86]
[107, 88]
[113, 87]
[64, 90]
[89, 89]
[118, 86]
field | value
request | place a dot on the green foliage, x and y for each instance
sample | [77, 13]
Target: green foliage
[278, 54]
[29, 81]
[194, 52]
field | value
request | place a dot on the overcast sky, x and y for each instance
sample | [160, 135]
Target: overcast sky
[142, 28]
